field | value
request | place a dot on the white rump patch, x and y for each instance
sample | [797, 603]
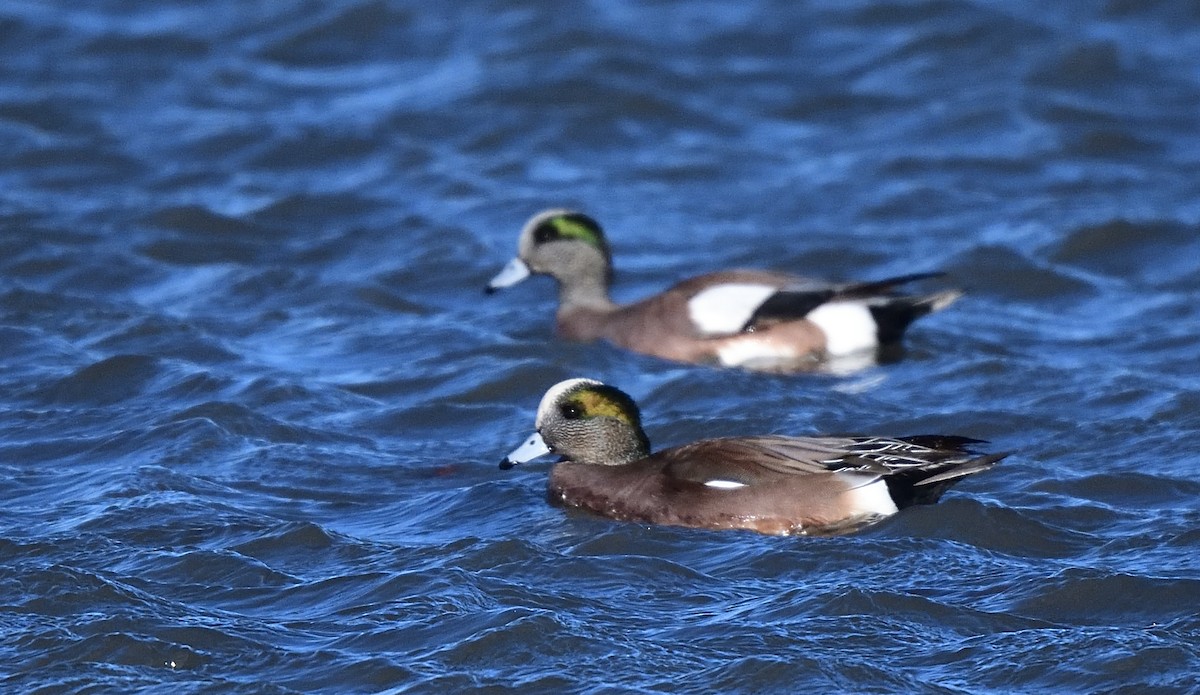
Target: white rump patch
[724, 309]
[754, 350]
[848, 327]
[872, 498]
[724, 484]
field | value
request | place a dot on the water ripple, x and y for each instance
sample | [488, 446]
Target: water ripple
[254, 399]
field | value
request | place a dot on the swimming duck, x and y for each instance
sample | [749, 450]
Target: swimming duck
[770, 484]
[738, 318]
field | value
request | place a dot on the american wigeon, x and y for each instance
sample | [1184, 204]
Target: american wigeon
[744, 318]
[771, 484]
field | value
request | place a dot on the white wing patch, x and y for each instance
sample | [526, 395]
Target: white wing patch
[872, 498]
[724, 309]
[848, 327]
[724, 484]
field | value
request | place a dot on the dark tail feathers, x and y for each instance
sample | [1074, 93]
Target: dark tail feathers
[927, 484]
[892, 312]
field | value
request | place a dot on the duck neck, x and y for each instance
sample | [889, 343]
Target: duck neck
[583, 308]
[621, 446]
[636, 449]
[583, 312]
[584, 292]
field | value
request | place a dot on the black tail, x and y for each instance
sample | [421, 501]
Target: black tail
[894, 314]
[862, 290]
[925, 485]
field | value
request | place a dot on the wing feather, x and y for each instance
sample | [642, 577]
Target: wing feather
[758, 460]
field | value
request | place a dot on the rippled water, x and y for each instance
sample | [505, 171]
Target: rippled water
[253, 398]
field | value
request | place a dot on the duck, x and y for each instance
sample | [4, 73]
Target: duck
[772, 484]
[752, 319]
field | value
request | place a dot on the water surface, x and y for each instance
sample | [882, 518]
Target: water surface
[253, 398]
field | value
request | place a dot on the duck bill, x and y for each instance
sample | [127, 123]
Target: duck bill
[514, 272]
[533, 447]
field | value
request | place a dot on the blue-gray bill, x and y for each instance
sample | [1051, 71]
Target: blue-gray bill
[531, 449]
[512, 273]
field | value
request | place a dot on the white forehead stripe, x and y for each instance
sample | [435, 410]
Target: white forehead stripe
[556, 391]
[525, 243]
[724, 484]
[848, 327]
[724, 309]
[543, 216]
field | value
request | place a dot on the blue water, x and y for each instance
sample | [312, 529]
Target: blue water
[253, 398]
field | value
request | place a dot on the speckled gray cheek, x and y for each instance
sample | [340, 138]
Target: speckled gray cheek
[555, 255]
[595, 440]
[567, 437]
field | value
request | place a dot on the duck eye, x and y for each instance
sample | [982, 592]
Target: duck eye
[544, 232]
[571, 411]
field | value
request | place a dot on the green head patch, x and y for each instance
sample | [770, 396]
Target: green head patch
[601, 401]
[571, 225]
